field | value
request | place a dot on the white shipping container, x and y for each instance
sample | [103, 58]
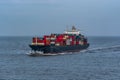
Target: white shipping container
[57, 44]
[52, 42]
[68, 42]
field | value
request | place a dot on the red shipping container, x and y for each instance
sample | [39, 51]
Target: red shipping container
[72, 37]
[35, 40]
[72, 42]
[77, 42]
[40, 41]
[47, 42]
[60, 38]
[46, 37]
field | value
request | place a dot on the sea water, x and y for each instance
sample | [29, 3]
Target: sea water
[101, 61]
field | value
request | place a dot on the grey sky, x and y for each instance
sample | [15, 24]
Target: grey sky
[39, 17]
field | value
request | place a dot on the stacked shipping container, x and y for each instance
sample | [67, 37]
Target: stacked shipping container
[60, 40]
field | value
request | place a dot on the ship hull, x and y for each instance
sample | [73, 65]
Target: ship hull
[58, 49]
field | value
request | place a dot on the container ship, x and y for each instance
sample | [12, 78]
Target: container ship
[54, 44]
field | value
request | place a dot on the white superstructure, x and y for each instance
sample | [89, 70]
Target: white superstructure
[73, 31]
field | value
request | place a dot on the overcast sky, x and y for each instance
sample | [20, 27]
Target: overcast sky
[39, 17]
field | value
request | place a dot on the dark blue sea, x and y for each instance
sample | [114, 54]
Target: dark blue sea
[101, 61]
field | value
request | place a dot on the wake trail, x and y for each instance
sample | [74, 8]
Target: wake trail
[103, 49]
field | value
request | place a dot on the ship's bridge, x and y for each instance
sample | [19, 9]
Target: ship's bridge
[73, 31]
